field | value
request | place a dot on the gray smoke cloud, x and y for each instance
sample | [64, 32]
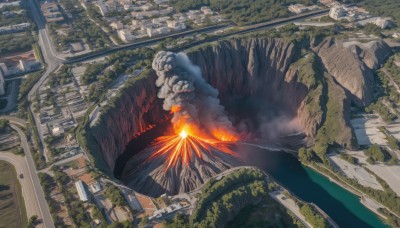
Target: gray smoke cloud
[187, 94]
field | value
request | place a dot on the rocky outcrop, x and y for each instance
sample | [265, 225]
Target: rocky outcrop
[373, 54]
[352, 65]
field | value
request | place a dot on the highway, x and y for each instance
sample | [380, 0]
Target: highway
[21, 167]
[32, 191]
[34, 185]
[52, 61]
[15, 120]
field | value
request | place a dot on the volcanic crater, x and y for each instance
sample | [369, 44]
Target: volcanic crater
[269, 87]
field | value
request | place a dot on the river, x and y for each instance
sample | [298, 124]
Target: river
[342, 206]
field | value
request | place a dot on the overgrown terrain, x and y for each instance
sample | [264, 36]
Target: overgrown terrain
[239, 199]
[12, 206]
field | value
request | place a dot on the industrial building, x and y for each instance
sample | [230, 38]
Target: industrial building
[51, 11]
[14, 28]
[337, 12]
[300, 8]
[81, 191]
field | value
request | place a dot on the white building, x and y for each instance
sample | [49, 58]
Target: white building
[159, 20]
[125, 35]
[146, 25]
[160, 1]
[95, 187]
[23, 65]
[57, 130]
[383, 22]
[166, 210]
[81, 191]
[163, 30]
[297, 8]
[152, 32]
[337, 12]
[136, 22]
[206, 10]
[2, 83]
[167, 11]
[176, 25]
[117, 25]
[145, 14]
[147, 7]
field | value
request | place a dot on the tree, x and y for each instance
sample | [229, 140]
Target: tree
[144, 221]
[4, 124]
[375, 153]
[32, 221]
[306, 155]
[372, 29]
[313, 217]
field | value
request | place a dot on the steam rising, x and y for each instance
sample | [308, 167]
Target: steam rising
[192, 100]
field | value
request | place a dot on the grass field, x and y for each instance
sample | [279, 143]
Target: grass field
[12, 207]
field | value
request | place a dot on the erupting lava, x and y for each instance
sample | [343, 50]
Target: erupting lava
[182, 147]
[183, 134]
[201, 125]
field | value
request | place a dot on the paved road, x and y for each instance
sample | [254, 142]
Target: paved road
[44, 39]
[15, 120]
[35, 183]
[30, 198]
[209, 30]
[52, 61]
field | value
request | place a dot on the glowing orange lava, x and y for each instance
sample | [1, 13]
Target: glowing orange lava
[183, 134]
[185, 145]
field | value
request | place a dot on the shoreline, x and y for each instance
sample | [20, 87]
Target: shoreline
[352, 190]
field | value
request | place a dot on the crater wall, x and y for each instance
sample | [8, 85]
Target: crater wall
[275, 69]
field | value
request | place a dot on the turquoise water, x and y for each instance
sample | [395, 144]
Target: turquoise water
[342, 206]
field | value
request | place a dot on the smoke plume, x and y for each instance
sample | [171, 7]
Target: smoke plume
[189, 97]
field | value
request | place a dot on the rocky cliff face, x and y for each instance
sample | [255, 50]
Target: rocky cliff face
[248, 67]
[272, 69]
[258, 67]
[352, 65]
[134, 112]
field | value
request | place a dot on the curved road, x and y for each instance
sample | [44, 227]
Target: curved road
[21, 167]
[33, 192]
[15, 120]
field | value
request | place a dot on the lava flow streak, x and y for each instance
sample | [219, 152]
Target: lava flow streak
[182, 148]
[203, 130]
